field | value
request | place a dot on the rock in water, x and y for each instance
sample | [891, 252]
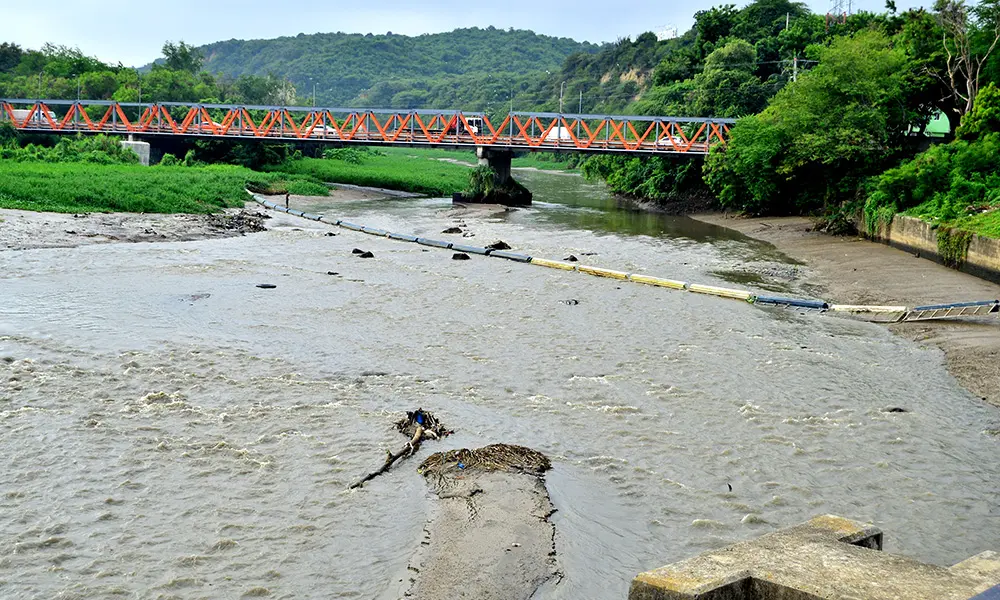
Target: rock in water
[452, 230]
[492, 538]
[571, 258]
[366, 255]
[461, 256]
[357, 251]
[266, 286]
[498, 245]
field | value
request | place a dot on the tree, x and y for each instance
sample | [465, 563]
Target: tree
[970, 37]
[984, 117]
[766, 18]
[182, 57]
[820, 137]
[98, 85]
[727, 87]
[713, 25]
[10, 57]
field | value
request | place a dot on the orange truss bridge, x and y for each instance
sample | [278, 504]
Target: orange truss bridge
[518, 131]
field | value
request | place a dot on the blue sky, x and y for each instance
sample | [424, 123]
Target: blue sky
[133, 31]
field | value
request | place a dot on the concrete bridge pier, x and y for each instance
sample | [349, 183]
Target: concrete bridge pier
[504, 189]
[498, 160]
[142, 149]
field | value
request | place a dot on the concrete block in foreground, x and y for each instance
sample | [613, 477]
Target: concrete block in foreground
[829, 557]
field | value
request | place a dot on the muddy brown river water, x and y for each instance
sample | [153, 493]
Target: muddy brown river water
[169, 430]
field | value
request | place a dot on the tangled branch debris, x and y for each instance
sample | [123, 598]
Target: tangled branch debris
[418, 426]
[442, 467]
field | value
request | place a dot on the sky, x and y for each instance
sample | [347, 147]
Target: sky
[133, 31]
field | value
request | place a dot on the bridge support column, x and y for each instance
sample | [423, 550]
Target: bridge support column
[140, 148]
[498, 160]
[503, 189]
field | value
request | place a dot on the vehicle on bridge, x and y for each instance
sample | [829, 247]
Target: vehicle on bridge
[36, 115]
[474, 127]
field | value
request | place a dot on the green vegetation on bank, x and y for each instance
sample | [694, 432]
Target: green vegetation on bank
[534, 160]
[954, 185]
[819, 139]
[545, 161]
[95, 174]
[392, 169]
[100, 149]
[76, 187]
[845, 140]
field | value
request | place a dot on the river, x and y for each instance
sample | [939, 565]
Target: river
[172, 431]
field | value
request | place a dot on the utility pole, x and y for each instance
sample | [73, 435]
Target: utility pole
[562, 87]
[138, 78]
[839, 11]
[39, 85]
[788, 20]
[79, 86]
[795, 69]
[581, 103]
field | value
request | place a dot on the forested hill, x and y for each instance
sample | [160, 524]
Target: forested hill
[342, 65]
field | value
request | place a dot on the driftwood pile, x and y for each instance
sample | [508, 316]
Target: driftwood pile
[418, 426]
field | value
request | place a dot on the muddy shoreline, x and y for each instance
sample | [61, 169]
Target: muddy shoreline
[857, 271]
[27, 230]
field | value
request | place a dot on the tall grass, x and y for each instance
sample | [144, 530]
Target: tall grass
[545, 161]
[394, 170]
[81, 187]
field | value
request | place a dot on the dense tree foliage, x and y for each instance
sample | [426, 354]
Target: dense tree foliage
[957, 182]
[832, 140]
[818, 139]
[182, 57]
[351, 68]
[60, 72]
[728, 65]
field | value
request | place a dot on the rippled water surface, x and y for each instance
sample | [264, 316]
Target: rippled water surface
[170, 430]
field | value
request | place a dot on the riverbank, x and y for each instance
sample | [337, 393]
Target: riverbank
[26, 229]
[389, 168]
[857, 271]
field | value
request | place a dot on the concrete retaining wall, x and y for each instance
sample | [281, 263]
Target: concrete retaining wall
[918, 236]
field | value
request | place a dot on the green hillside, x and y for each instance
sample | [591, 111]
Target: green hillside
[344, 66]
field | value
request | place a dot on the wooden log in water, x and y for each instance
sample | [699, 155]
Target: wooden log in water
[420, 425]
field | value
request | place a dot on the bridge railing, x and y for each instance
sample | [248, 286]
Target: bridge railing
[531, 131]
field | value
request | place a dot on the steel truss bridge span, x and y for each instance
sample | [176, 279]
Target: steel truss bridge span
[518, 131]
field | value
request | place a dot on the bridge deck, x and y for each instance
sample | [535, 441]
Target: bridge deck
[520, 131]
